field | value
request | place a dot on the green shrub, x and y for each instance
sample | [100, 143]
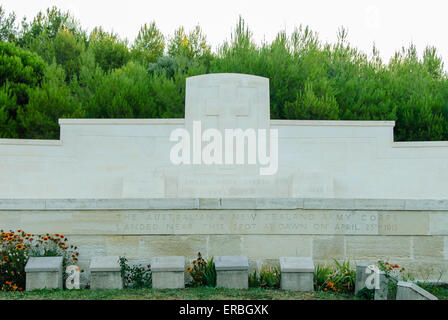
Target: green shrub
[202, 272]
[135, 276]
[267, 277]
[339, 277]
[17, 246]
[48, 103]
[308, 79]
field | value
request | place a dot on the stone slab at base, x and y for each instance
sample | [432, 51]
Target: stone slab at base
[297, 273]
[382, 293]
[105, 273]
[361, 275]
[44, 273]
[168, 272]
[411, 291]
[232, 272]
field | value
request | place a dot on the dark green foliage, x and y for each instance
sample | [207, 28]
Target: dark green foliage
[103, 77]
[135, 276]
[110, 52]
[366, 294]
[122, 93]
[267, 277]
[149, 44]
[203, 272]
[48, 103]
[8, 28]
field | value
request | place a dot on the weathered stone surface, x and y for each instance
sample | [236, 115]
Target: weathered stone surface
[105, 273]
[403, 223]
[411, 291]
[232, 272]
[232, 279]
[296, 264]
[371, 247]
[429, 248]
[44, 273]
[328, 247]
[108, 263]
[229, 245]
[438, 223]
[297, 281]
[168, 272]
[297, 273]
[171, 263]
[275, 246]
[231, 263]
[361, 275]
[105, 280]
[168, 280]
[382, 293]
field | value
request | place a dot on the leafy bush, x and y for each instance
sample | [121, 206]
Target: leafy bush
[48, 103]
[308, 79]
[135, 276]
[267, 277]
[202, 272]
[393, 273]
[366, 294]
[17, 246]
[337, 278]
[109, 50]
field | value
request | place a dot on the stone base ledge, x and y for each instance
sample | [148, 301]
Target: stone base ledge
[225, 203]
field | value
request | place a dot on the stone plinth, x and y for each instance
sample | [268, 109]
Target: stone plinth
[44, 273]
[382, 293]
[411, 291]
[361, 275]
[105, 273]
[297, 273]
[168, 272]
[232, 272]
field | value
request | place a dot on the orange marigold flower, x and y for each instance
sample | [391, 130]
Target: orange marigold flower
[189, 269]
[19, 246]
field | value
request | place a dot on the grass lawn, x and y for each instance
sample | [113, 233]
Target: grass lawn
[172, 294]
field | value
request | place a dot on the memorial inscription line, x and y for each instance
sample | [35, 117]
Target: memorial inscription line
[250, 222]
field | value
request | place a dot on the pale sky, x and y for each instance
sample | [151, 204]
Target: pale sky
[389, 24]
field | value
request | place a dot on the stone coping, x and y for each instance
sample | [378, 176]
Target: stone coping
[168, 264]
[106, 263]
[224, 203]
[44, 264]
[332, 123]
[31, 142]
[231, 263]
[417, 289]
[296, 264]
[156, 121]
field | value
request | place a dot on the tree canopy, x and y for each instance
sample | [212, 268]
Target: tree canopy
[52, 68]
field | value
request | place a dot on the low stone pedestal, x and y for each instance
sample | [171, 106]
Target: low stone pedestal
[168, 272]
[382, 293]
[232, 272]
[105, 273]
[411, 291]
[297, 274]
[43, 273]
[361, 275]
